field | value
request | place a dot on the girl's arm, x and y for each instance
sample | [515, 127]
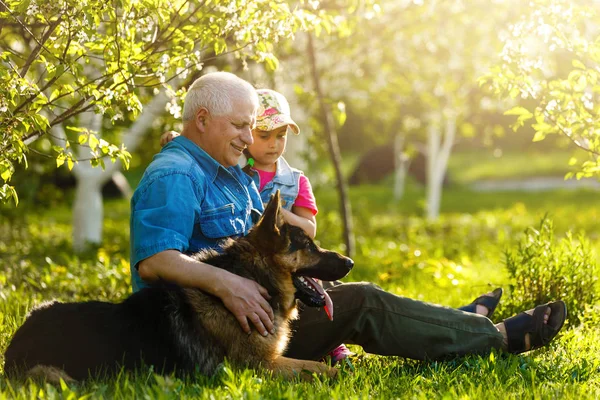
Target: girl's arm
[301, 217]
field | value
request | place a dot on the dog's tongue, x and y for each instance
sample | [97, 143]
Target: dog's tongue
[328, 306]
[328, 303]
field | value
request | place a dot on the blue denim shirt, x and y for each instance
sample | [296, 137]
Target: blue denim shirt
[286, 180]
[187, 201]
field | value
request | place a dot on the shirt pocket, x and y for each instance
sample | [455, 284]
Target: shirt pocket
[221, 222]
[287, 201]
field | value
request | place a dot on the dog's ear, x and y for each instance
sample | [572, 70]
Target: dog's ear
[272, 219]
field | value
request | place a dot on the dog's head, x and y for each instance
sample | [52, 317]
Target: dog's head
[292, 249]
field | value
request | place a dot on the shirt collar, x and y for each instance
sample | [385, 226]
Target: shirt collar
[284, 174]
[209, 164]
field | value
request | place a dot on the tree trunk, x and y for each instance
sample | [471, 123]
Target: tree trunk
[438, 153]
[401, 163]
[334, 151]
[88, 210]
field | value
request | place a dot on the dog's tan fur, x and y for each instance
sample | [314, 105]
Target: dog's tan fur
[49, 374]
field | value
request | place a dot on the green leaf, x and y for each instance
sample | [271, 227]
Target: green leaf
[76, 129]
[514, 92]
[41, 121]
[220, 46]
[569, 175]
[318, 29]
[54, 95]
[93, 142]
[6, 174]
[340, 113]
[578, 64]
[580, 84]
[125, 160]
[60, 160]
[468, 130]
[539, 136]
[518, 110]
[13, 194]
[272, 63]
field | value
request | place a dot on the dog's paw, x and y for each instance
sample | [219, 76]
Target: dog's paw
[326, 370]
[332, 372]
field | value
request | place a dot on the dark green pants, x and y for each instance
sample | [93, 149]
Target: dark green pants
[387, 324]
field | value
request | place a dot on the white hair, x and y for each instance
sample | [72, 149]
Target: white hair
[216, 91]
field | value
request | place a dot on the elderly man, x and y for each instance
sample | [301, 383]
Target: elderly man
[193, 195]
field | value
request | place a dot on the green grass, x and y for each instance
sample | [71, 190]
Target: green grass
[490, 164]
[466, 166]
[449, 262]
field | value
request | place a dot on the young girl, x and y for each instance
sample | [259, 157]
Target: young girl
[270, 171]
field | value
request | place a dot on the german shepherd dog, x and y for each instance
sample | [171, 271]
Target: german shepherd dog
[184, 330]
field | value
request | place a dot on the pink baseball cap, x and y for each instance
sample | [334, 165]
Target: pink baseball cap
[273, 112]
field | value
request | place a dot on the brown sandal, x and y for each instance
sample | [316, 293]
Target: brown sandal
[540, 334]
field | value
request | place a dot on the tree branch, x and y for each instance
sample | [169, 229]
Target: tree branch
[158, 41]
[40, 45]
[562, 130]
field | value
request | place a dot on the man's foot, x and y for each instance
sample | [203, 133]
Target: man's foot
[485, 304]
[532, 329]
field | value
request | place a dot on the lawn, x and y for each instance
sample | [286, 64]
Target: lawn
[494, 164]
[449, 262]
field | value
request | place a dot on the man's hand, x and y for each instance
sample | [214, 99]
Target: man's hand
[244, 298]
[247, 300]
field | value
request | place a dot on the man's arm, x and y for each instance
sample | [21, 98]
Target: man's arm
[245, 298]
[162, 222]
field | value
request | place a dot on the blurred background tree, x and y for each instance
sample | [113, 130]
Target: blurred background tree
[408, 74]
[550, 65]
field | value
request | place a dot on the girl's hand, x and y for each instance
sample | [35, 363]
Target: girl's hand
[167, 137]
[303, 218]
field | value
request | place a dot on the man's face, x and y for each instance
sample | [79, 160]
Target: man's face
[226, 136]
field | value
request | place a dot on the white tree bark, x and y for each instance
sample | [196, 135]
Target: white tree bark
[88, 211]
[440, 140]
[401, 163]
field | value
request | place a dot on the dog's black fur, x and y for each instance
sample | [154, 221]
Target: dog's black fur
[175, 329]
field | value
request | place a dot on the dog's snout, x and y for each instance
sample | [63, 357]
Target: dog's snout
[349, 263]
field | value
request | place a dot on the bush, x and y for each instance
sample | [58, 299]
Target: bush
[543, 269]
